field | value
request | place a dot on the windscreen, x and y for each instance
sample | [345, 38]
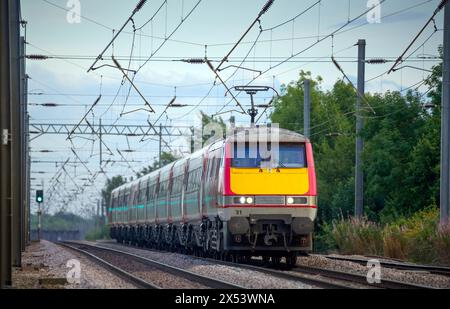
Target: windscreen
[290, 156]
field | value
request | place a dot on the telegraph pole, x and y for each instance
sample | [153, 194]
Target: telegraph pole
[445, 123]
[10, 131]
[5, 148]
[16, 134]
[307, 108]
[359, 175]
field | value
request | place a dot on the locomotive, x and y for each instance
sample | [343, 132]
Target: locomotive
[250, 194]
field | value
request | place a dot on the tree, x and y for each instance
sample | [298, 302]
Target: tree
[166, 158]
[209, 131]
[110, 185]
[401, 154]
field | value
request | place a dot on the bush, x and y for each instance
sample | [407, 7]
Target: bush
[395, 244]
[442, 245]
[357, 236]
[417, 239]
[98, 233]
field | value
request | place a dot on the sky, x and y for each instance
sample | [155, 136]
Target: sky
[206, 27]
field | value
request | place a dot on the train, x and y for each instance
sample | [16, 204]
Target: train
[226, 201]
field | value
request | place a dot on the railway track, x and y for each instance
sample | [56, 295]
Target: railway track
[305, 279]
[138, 270]
[127, 276]
[355, 278]
[436, 270]
[311, 279]
[318, 277]
[321, 277]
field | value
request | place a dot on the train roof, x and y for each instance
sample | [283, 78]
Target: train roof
[283, 134]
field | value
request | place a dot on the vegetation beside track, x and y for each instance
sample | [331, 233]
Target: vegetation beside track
[416, 239]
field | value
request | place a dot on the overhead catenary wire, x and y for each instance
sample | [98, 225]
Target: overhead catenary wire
[138, 7]
[408, 58]
[84, 117]
[165, 40]
[263, 11]
[81, 161]
[216, 70]
[133, 85]
[361, 95]
[331, 34]
[213, 59]
[170, 35]
[400, 58]
[153, 16]
[293, 18]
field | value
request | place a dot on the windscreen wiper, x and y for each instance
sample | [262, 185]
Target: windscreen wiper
[280, 164]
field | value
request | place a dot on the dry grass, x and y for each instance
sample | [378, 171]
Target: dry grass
[357, 236]
[442, 244]
[395, 245]
[418, 239]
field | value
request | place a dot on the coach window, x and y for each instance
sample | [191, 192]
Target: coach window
[147, 194]
[136, 195]
[211, 171]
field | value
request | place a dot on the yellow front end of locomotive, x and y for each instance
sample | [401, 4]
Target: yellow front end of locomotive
[251, 181]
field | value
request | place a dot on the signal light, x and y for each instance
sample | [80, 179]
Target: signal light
[39, 196]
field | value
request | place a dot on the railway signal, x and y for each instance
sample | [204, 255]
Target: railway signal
[39, 196]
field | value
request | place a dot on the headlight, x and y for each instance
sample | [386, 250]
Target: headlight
[296, 200]
[243, 200]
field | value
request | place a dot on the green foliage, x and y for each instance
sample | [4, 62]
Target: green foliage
[401, 152]
[417, 238]
[110, 185]
[98, 233]
[357, 236]
[166, 158]
[58, 222]
[211, 128]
